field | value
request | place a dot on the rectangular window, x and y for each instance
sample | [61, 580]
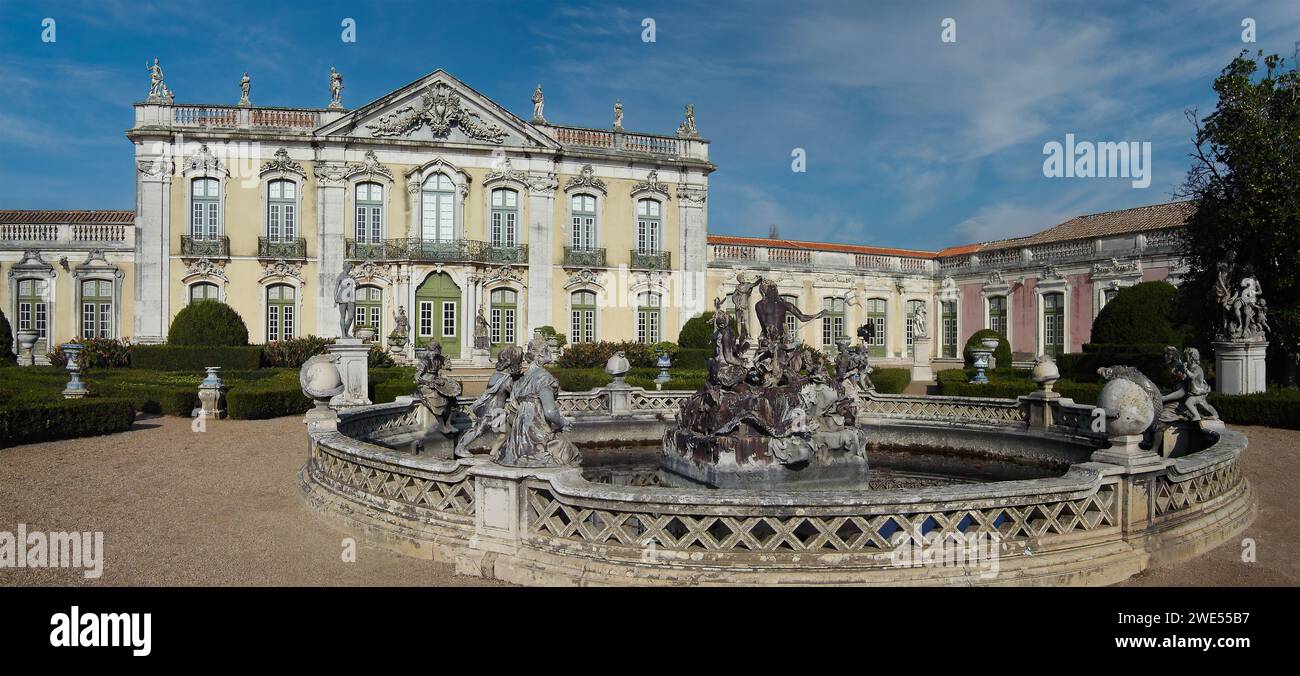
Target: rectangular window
[647, 326]
[88, 320]
[495, 324]
[426, 318]
[448, 319]
[998, 315]
[272, 322]
[288, 322]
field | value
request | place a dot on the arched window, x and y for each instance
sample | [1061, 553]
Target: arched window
[998, 314]
[33, 313]
[281, 211]
[281, 312]
[205, 209]
[204, 291]
[96, 308]
[583, 208]
[501, 323]
[1053, 324]
[369, 226]
[877, 315]
[912, 305]
[505, 217]
[647, 318]
[948, 310]
[370, 309]
[648, 238]
[437, 212]
[833, 320]
[582, 327]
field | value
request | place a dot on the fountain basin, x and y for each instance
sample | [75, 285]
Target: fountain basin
[1047, 515]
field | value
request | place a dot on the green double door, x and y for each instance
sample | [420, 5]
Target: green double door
[438, 313]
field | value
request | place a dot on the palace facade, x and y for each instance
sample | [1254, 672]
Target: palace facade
[446, 206]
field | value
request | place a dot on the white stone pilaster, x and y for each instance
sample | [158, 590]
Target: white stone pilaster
[152, 294]
[541, 242]
[330, 232]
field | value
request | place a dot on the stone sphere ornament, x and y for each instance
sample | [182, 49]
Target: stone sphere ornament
[320, 379]
[1045, 372]
[618, 365]
[1128, 408]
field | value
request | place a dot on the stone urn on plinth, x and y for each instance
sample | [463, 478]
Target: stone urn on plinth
[75, 389]
[981, 359]
[27, 345]
[210, 391]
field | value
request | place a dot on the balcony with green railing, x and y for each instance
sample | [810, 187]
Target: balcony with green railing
[288, 249]
[651, 260]
[585, 257]
[208, 247]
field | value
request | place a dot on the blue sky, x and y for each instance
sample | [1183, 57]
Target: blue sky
[910, 142]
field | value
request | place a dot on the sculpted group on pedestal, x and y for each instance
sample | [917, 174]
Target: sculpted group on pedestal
[782, 408]
[1243, 314]
[1186, 403]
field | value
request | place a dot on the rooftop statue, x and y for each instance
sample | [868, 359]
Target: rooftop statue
[336, 89]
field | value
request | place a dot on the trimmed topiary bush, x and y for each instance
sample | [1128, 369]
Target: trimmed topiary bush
[891, 381]
[7, 355]
[208, 323]
[29, 421]
[1002, 354]
[595, 355]
[257, 401]
[1142, 313]
[697, 333]
[195, 358]
[550, 332]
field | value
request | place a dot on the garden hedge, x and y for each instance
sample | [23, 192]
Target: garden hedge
[7, 356]
[891, 381]
[194, 358]
[208, 323]
[1142, 313]
[24, 421]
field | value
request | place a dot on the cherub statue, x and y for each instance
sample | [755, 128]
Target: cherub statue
[1189, 400]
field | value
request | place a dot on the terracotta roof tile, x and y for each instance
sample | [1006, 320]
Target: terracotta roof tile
[32, 216]
[1105, 224]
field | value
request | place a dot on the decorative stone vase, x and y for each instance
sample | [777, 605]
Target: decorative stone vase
[320, 380]
[664, 363]
[27, 344]
[618, 366]
[75, 389]
[990, 344]
[366, 334]
[1045, 372]
[210, 391]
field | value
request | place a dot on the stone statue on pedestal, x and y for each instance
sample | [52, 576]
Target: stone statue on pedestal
[534, 438]
[401, 328]
[1243, 314]
[539, 103]
[481, 328]
[245, 84]
[345, 297]
[435, 391]
[921, 321]
[490, 410]
[740, 302]
[336, 89]
[158, 91]
[618, 115]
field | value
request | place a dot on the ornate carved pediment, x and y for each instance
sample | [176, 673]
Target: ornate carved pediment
[694, 194]
[543, 184]
[369, 166]
[371, 271]
[30, 263]
[96, 263]
[1050, 272]
[1117, 268]
[506, 173]
[329, 175]
[585, 277]
[501, 273]
[652, 184]
[439, 108]
[281, 163]
[281, 269]
[586, 178]
[207, 269]
[649, 280]
[156, 167]
[204, 162]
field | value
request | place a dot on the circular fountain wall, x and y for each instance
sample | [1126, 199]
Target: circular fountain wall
[972, 491]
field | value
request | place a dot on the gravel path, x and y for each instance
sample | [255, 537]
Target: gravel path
[221, 508]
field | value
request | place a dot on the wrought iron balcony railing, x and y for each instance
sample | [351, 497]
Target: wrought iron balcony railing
[440, 251]
[285, 248]
[216, 247]
[584, 257]
[652, 260]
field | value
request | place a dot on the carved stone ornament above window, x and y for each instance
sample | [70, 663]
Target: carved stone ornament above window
[439, 108]
[369, 166]
[586, 178]
[282, 163]
[652, 184]
[204, 161]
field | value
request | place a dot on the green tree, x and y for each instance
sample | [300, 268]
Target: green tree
[1142, 314]
[1245, 180]
[697, 333]
[207, 322]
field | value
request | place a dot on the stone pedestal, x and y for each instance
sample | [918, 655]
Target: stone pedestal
[1040, 407]
[921, 370]
[1239, 366]
[353, 368]
[1125, 452]
[481, 358]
